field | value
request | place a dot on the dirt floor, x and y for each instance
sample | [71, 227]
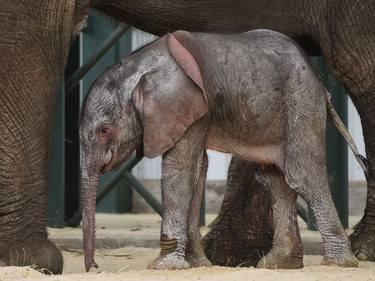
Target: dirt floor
[130, 262]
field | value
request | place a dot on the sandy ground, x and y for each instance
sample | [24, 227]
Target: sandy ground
[129, 263]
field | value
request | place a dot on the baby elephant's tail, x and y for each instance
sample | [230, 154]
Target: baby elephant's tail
[362, 161]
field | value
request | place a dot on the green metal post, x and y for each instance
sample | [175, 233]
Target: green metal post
[124, 197]
[202, 214]
[336, 147]
[72, 152]
[56, 172]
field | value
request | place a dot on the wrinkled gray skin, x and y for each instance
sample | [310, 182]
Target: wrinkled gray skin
[34, 44]
[253, 95]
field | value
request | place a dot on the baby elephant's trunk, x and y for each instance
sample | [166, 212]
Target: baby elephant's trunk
[89, 188]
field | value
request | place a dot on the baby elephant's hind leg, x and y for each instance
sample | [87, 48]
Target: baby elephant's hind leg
[305, 171]
[336, 244]
[287, 249]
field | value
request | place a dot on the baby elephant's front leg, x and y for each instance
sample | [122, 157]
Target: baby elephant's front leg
[176, 194]
[194, 254]
[172, 254]
[179, 176]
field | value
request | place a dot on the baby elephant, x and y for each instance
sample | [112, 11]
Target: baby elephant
[253, 95]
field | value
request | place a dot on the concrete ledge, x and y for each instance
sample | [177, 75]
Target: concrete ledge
[215, 191]
[143, 230]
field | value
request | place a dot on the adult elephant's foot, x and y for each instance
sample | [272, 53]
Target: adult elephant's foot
[170, 261]
[243, 232]
[40, 254]
[363, 238]
[233, 242]
[363, 241]
[276, 261]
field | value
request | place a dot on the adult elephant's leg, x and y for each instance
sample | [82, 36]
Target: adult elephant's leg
[26, 99]
[362, 89]
[363, 238]
[243, 232]
[34, 45]
[351, 57]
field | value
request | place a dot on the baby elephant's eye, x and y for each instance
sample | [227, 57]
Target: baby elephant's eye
[104, 131]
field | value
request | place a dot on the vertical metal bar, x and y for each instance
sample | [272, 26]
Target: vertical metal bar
[336, 147]
[337, 154]
[56, 172]
[72, 146]
[302, 212]
[202, 214]
[124, 197]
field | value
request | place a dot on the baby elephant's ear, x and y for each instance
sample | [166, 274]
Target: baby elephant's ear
[185, 59]
[167, 102]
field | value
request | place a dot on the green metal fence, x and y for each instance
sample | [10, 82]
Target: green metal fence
[103, 42]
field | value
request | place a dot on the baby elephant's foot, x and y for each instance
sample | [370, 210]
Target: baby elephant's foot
[274, 261]
[348, 260]
[194, 254]
[198, 261]
[171, 261]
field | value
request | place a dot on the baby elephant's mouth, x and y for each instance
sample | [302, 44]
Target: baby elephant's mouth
[110, 161]
[106, 168]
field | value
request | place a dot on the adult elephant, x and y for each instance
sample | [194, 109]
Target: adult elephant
[34, 43]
